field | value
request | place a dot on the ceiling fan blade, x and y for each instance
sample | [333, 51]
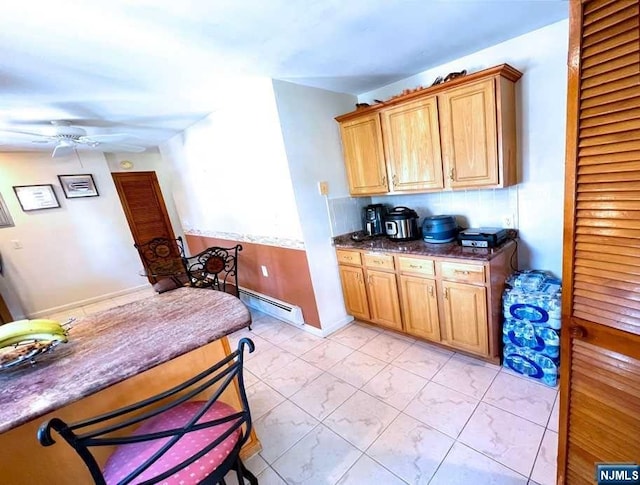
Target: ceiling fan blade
[107, 138]
[62, 150]
[30, 133]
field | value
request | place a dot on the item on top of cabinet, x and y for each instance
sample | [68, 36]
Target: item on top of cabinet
[483, 237]
[439, 229]
[373, 216]
[401, 224]
[452, 75]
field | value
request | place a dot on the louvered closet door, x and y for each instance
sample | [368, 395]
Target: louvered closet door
[607, 224]
[600, 374]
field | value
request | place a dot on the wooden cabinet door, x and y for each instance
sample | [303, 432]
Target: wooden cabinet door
[354, 291]
[420, 307]
[364, 155]
[465, 314]
[383, 299]
[468, 129]
[412, 146]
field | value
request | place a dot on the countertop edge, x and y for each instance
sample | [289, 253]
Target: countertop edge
[452, 250]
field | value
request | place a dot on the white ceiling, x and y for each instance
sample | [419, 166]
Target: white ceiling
[151, 68]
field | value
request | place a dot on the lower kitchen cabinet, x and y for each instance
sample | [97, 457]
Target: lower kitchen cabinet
[420, 304]
[383, 299]
[454, 302]
[465, 316]
[354, 292]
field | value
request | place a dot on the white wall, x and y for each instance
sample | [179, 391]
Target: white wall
[231, 170]
[541, 104]
[312, 142]
[78, 253]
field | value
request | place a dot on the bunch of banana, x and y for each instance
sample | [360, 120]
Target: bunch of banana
[38, 330]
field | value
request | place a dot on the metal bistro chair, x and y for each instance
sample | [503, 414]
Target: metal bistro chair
[175, 432]
[215, 268]
[164, 262]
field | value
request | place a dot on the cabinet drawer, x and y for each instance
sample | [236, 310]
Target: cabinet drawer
[416, 266]
[473, 273]
[348, 257]
[381, 261]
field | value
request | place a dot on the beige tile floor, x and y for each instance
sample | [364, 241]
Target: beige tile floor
[366, 406]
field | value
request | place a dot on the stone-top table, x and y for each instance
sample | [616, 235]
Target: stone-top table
[155, 342]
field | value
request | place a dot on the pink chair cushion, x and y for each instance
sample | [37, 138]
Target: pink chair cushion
[127, 458]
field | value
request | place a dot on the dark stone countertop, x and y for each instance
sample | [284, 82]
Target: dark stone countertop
[108, 347]
[420, 248]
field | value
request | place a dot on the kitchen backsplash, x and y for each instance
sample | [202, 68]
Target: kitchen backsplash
[472, 208]
[345, 214]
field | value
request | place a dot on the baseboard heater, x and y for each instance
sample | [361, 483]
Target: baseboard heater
[272, 306]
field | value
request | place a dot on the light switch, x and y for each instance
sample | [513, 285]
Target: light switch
[16, 244]
[323, 188]
[265, 273]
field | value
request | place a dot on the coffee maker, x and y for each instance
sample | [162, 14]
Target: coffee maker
[373, 219]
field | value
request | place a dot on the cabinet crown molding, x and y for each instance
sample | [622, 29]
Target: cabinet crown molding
[503, 70]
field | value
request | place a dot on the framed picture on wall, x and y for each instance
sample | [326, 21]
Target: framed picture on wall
[36, 197]
[75, 186]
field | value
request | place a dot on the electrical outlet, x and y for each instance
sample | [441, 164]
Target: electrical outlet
[265, 273]
[509, 221]
[323, 188]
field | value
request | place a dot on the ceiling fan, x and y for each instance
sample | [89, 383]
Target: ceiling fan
[68, 138]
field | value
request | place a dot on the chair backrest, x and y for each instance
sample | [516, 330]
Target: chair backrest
[106, 429]
[216, 268]
[162, 256]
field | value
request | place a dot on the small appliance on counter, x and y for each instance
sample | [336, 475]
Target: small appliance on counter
[439, 229]
[482, 237]
[374, 220]
[401, 224]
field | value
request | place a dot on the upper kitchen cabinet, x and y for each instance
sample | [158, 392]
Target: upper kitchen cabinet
[412, 145]
[364, 155]
[456, 135]
[478, 130]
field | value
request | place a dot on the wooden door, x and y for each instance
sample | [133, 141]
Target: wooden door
[5, 314]
[383, 299]
[412, 146]
[420, 307]
[600, 338]
[465, 316]
[143, 206]
[364, 155]
[468, 128]
[354, 291]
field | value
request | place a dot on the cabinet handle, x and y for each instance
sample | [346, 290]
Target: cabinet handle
[461, 271]
[446, 293]
[431, 291]
[394, 180]
[348, 258]
[384, 180]
[417, 266]
[578, 332]
[451, 174]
